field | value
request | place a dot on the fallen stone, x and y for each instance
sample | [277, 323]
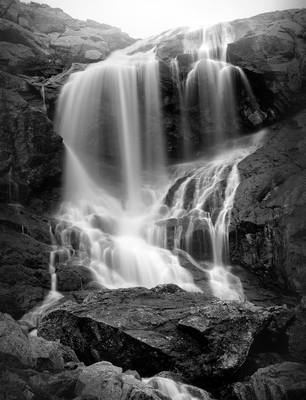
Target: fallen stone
[193, 334]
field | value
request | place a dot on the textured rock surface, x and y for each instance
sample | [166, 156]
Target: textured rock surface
[72, 277]
[268, 215]
[34, 367]
[296, 333]
[19, 350]
[35, 37]
[30, 151]
[176, 330]
[273, 46]
[283, 381]
[24, 259]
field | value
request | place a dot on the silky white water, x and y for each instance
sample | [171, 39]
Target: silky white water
[174, 390]
[116, 217]
[202, 199]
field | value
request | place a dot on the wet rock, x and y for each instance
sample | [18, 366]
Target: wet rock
[279, 381]
[72, 277]
[176, 389]
[268, 219]
[24, 259]
[29, 160]
[176, 330]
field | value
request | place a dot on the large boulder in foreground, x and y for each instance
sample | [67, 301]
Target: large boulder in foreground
[169, 328]
[284, 381]
[32, 367]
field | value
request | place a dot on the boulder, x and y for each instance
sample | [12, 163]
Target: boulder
[279, 381]
[193, 334]
[19, 350]
[99, 381]
[105, 381]
[72, 277]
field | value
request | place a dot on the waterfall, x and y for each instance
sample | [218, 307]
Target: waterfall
[110, 120]
[199, 204]
[30, 319]
[125, 215]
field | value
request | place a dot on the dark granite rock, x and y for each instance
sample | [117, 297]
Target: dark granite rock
[176, 330]
[24, 259]
[19, 350]
[28, 160]
[268, 219]
[272, 46]
[73, 277]
[285, 381]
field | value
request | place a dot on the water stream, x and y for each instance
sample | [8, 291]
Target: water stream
[123, 205]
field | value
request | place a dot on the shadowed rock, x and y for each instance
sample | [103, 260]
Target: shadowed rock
[173, 329]
[275, 382]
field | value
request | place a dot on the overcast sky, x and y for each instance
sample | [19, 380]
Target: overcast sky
[142, 18]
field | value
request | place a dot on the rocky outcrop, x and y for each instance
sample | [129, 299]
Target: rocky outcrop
[191, 333]
[273, 47]
[268, 219]
[37, 39]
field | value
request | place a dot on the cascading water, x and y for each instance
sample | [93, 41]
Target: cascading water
[199, 204]
[113, 172]
[117, 207]
[173, 390]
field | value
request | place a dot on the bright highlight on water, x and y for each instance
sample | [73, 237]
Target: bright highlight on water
[125, 214]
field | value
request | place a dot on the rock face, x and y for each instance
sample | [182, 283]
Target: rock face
[268, 218]
[30, 151]
[24, 259]
[36, 38]
[272, 46]
[175, 330]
